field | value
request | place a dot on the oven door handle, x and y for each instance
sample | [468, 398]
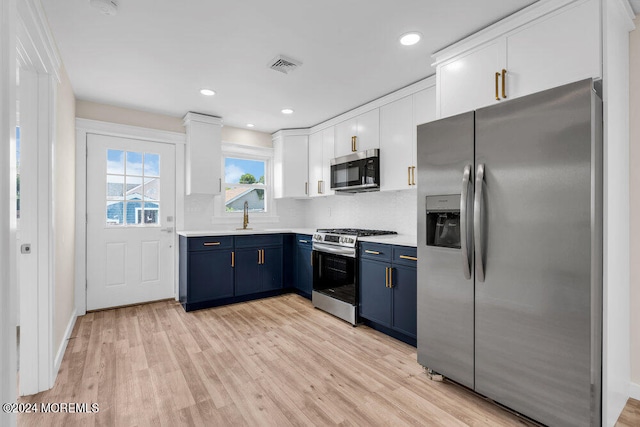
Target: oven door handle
[348, 252]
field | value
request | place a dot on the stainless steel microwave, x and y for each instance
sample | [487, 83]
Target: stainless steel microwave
[356, 172]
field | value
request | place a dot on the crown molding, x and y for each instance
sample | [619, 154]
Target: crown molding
[128, 131]
[290, 132]
[36, 46]
[202, 118]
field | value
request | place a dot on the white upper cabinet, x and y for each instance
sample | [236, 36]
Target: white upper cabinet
[396, 144]
[555, 50]
[290, 167]
[320, 155]
[543, 46]
[398, 136]
[203, 154]
[470, 81]
[358, 134]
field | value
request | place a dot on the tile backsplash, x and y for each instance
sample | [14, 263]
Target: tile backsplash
[389, 210]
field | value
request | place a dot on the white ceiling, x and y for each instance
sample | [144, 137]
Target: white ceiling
[155, 55]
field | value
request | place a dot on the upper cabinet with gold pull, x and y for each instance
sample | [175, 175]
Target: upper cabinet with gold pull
[545, 45]
[320, 155]
[359, 133]
[398, 123]
[290, 168]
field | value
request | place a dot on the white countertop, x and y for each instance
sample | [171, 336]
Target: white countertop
[205, 233]
[391, 239]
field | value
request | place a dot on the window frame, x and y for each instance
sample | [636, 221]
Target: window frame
[248, 152]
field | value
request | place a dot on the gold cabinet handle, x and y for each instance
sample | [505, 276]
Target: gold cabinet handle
[497, 94]
[390, 277]
[386, 277]
[354, 143]
[233, 259]
[504, 91]
[262, 250]
[210, 243]
[409, 175]
[413, 175]
[372, 252]
[319, 188]
[412, 258]
[306, 188]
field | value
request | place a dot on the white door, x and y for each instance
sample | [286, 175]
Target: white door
[130, 221]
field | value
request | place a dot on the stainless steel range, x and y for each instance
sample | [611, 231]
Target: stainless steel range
[335, 270]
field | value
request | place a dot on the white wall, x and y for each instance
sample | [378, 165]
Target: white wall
[634, 199]
[394, 210]
[64, 210]
[616, 361]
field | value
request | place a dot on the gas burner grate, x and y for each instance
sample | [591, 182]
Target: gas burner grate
[355, 231]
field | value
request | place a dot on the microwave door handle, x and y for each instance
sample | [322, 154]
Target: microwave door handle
[477, 222]
[464, 244]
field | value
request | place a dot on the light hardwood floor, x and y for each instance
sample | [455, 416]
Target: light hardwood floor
[276, 361]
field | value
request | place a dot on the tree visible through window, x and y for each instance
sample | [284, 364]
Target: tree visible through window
[244, 182]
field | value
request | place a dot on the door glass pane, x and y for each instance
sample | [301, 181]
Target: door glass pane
[115, 161]
[151, 189]
[134, 163]
[115, 213]
[151, 211]
[134, 187]
[134, 213]
[151, 164]
[115, 187]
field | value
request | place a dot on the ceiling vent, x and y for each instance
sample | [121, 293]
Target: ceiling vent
[283, 64]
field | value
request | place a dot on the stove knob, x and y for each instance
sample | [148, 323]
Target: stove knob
[341, 239]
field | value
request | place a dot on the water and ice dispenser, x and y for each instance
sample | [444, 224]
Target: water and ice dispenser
[443, 221]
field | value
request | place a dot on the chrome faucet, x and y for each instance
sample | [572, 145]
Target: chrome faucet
[245, 219]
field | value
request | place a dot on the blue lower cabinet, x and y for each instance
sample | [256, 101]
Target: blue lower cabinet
[404, 307]
[303, 279]
[388, 290]
[258, 270]
[375, 295]
[248, 271]
[210, 275]
[304, 270]
[271, 268]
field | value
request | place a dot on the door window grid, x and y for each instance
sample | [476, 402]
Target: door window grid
[133, 188]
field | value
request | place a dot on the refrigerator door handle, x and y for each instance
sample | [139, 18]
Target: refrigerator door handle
[477, 222]
[464, 244]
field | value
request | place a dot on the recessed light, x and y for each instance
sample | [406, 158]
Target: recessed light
[411, 38]
[250, 125]
[287, 111]
[207, 92]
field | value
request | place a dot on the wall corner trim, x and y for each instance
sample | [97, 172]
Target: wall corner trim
[63, 345]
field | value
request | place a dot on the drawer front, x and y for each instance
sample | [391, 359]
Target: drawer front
[258, 240]
[405, 255]
[304, 240]
[375, 251]
[210, 243]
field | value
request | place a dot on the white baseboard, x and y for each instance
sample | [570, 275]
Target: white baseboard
[63, 345]
[634, 391]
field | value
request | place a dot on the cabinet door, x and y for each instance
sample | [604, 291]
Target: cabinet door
[327, 154]
[375, 297]
[554, 50]
[343, 133]
[210, 276]
[316, 165]
[404, 281]
[304, 270]
[397, 143]
[248, 278]
[368, 136]
[272, 268]
[468, 82]
[291, 171]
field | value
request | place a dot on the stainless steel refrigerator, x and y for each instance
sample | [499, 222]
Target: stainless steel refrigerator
[510, 252]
